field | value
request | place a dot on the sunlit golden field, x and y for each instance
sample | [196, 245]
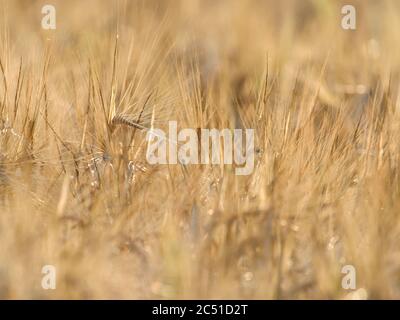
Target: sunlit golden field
[76, 189]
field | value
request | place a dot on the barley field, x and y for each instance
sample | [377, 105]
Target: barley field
[77, 192]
